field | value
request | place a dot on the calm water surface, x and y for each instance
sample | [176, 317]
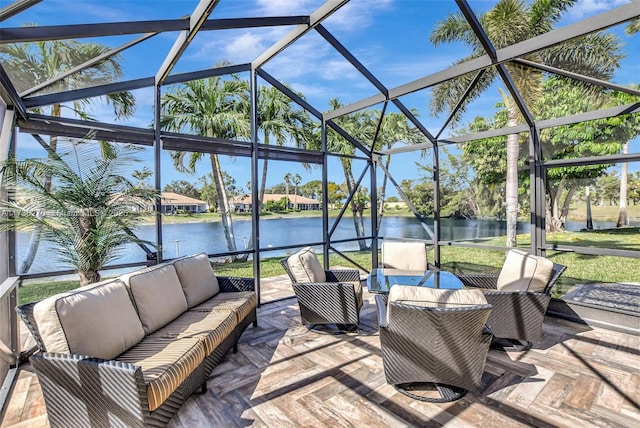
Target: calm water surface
[189, 238]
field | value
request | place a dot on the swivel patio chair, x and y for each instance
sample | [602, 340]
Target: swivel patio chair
[520, 295]
[325, 297]
[434, 341]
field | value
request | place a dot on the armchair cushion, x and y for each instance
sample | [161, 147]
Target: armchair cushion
[305, 267]
[198, 281]
[410, 256]
[436, 297]
[69, 322]
[524, 272]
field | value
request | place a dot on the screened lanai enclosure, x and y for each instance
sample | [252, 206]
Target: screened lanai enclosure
[472, 126]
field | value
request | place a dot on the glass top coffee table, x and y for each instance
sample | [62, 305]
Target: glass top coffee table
[380, 280]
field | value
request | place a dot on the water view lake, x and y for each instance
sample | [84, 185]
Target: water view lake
[188, 238]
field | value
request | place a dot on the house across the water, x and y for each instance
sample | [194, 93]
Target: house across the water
[173, 203]
[296, 202]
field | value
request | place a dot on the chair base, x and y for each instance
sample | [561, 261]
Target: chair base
[447, 392]
[333, 329]
[514, 345]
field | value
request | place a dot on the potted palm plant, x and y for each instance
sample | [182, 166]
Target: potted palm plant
[89, 208]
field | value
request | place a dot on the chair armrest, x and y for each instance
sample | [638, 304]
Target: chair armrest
[320, 294]
[233, 283]
[382, 311]
[517, 314]
[519, 298]
[87, 390]
[489, 281]
[340, 275]
[327, 302]
[322, 288]
[432, 267]
[26, 314]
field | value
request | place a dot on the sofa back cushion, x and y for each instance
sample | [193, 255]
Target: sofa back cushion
[198, 281]
[305, 266]
[97, 320]
[157, 294]
[524, 272]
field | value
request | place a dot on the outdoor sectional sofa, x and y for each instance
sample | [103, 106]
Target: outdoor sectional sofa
[129, 351]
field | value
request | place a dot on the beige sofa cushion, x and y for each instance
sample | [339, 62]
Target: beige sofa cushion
[436, 297]
[97, 320]
[211, 327]
[165, 364]
[305, 267]
[241, 303]
[197, 278]
[524, 272]
[410, 256]
[157, 294]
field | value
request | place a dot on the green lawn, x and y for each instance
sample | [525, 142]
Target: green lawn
[268, 267]
[581, 268]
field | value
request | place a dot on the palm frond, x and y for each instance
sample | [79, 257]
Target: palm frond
[85, 213]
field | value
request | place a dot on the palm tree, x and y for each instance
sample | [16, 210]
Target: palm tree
[509, 22]
[86, 212]
[623, 219]
[33, 63]
[395, 128]
[296, 180]
[141, 175]
[279, 119]
[212, 107]
[361, 126]
[287, 184]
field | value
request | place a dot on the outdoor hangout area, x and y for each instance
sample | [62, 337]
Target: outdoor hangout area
[319, 213]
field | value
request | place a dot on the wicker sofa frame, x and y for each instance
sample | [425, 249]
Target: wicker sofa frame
[330, 302]
[517, 316]
[446, 347]
[83, 391]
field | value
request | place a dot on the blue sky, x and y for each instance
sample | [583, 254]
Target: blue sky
[391, 37]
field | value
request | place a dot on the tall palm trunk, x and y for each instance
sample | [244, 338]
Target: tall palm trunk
[511, 189]
[286, 193]
[622, 214]
[90, 273]
[383, 192]
[358, 219]
[34, 241]
[223, 204]
[263, 182]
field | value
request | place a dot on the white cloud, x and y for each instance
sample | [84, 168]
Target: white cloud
[287, 7]
[237, 46]
[248, 45]
[338, 69]
[591, 7]
[306, 56]
[352, 16]
[357, 14]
